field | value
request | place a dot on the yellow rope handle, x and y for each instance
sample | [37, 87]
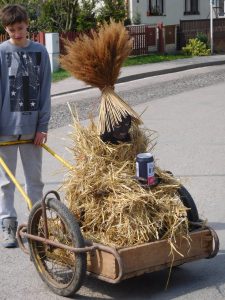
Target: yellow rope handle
[12, 177]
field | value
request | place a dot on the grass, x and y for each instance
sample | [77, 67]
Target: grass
[60, 75]
[152, 58]
[130, 61]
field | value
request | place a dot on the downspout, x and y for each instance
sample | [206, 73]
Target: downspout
[130, 8]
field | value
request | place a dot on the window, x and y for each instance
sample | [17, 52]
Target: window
[155, 8]
[191, 7]
[218, 7]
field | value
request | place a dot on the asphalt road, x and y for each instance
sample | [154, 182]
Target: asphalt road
[191, 143]
[136, 92]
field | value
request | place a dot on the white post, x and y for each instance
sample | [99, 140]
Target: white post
[52, 46]
[131, 12]
[211, 25]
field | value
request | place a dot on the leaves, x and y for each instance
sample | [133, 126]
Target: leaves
[69, 15]
[112, 9]
[196, 48]
[59, 16]
[86, 19]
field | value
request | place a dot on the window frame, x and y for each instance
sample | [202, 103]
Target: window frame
[220, 5]
[159, 3]
[194, 7]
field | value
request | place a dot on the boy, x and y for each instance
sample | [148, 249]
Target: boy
[25, 79]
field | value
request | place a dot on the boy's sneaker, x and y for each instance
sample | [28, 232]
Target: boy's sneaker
[9, 227]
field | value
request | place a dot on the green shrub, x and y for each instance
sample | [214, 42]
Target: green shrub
[202, 37]
[195, 47]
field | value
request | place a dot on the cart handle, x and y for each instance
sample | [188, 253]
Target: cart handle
[22, 233]
[216, 240]
[89, 246]
[47, 148]
[15, 181]
[13, 178]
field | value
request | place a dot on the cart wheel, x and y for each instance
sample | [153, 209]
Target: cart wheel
[188, 201]
[62, 270]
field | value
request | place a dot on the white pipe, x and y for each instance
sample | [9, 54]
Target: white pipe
[211, 25]
[130, 9]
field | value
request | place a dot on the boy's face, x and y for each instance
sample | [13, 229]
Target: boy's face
[17, 33]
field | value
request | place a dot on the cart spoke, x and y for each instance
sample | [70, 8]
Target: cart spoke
[58, 263]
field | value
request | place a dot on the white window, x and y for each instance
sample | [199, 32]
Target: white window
[191, 7]
[218, 6]
[156, 7]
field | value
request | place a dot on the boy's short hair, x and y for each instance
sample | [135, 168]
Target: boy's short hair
[11, 14]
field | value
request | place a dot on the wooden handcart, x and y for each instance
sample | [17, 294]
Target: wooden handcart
[63, 258]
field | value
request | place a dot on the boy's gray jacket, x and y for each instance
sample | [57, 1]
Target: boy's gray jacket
[25, 82]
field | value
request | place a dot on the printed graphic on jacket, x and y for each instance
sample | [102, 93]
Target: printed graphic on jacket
[24, 80]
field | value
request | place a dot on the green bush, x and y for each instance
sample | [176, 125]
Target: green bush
[202, 37]
[195, 47]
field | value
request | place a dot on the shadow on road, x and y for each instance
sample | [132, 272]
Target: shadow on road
[185, 279]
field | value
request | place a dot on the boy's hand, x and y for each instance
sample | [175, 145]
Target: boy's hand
[40, 138]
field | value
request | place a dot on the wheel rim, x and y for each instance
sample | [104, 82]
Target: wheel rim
[57, 265]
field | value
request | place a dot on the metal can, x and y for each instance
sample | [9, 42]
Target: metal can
[145, 167]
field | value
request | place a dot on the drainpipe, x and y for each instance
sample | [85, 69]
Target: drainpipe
[211, 25]
[131, 13]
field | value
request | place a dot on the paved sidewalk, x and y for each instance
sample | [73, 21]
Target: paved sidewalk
[141, 71]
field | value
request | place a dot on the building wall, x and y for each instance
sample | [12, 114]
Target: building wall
[173, 11]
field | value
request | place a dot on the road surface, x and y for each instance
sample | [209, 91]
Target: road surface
[191, 143]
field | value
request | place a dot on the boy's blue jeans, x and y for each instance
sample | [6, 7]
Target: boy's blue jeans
[31, 157]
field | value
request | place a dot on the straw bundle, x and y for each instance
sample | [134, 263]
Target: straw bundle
[112, 207]
[96, 59]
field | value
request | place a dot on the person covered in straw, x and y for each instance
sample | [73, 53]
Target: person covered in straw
[98, 64]
[101, 191]
[25, 80]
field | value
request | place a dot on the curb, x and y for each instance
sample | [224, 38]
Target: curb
[151, 74]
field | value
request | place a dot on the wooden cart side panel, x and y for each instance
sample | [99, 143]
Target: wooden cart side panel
[157, 253]
[159, 267]
[150, 257]
[100, 262]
